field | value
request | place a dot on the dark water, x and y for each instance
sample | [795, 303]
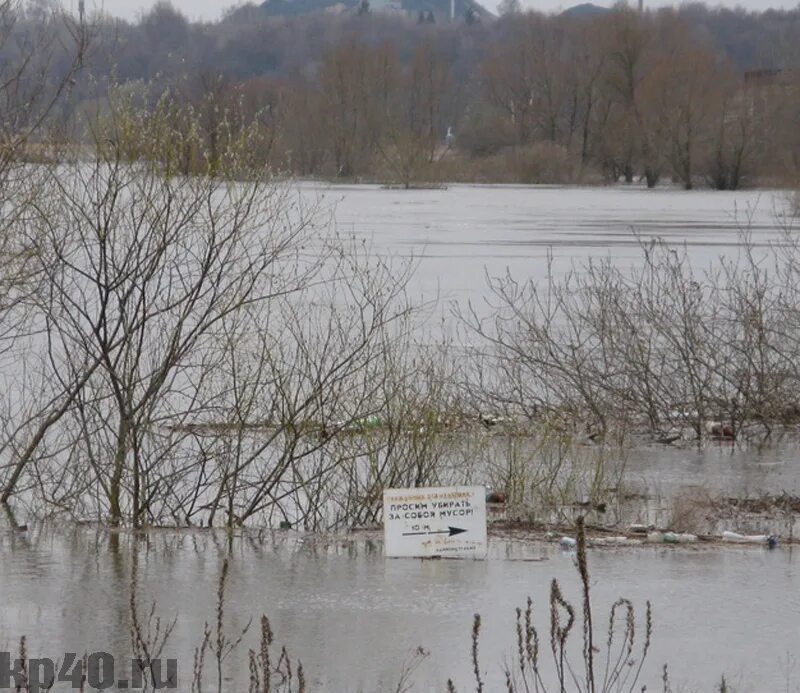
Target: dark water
[353, 616]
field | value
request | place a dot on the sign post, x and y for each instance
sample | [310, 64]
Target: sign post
[447, 522]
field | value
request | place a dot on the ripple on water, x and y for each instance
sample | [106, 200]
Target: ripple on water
[346, 610]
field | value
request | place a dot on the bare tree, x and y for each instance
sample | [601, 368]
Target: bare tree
[39, 62]
[33, 82]
[146, 267]
[413, 134]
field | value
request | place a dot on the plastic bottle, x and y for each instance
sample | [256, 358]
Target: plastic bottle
[675, 538]
[737, 538]
[615, 541]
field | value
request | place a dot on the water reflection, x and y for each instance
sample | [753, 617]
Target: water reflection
[352, 616]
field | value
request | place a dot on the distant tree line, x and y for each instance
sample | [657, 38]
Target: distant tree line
[696, 95]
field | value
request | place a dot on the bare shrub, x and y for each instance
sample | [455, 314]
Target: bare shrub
[178, 305]
[688, 510]
[661, 347]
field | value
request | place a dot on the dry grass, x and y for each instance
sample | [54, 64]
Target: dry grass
[689, 511]
[622, 660]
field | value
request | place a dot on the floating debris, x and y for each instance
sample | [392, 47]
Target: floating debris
[658, 537]
[720, 431]
[615, 541]
[494, 497]
[640, 529]
[737, 538]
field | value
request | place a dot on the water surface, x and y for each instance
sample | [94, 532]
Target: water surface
[353, 616]
[466, 231]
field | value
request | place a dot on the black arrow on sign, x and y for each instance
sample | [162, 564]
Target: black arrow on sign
[450, 531]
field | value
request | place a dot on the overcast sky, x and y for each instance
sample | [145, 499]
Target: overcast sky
[212, 9]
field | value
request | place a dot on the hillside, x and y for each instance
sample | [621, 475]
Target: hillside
[587, 9]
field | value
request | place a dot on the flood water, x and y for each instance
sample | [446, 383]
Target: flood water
[353, 616]
[460, 234]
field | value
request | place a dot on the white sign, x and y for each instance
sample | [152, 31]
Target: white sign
[425, 522]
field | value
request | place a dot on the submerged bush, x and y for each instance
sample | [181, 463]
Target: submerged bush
[662, 346]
